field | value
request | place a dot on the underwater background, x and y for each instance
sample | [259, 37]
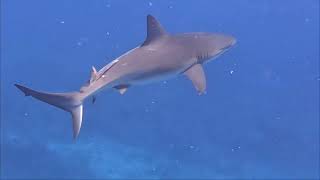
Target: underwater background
[259, 118]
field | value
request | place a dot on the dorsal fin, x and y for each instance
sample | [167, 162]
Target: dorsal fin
[154, 30]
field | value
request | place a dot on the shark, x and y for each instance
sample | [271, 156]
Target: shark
[161, 56]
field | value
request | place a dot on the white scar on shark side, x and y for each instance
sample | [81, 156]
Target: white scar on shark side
[161, 56]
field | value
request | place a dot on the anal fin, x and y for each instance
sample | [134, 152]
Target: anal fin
[122, 88]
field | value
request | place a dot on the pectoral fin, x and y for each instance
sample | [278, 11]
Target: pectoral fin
[197, 76]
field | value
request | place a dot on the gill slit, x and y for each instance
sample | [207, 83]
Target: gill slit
[201, 57]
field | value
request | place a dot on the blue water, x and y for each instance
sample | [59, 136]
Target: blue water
[259, 118]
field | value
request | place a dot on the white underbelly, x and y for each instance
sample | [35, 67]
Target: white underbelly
[147, 80]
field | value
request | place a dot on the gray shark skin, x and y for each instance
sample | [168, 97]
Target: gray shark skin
[160, 57]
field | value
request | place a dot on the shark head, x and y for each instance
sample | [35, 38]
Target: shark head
[203, 46]
[210, 45]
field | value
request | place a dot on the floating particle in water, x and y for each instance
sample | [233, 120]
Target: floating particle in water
[107, 3]
[236, 148]
[62, 22]
[306, 20]
[82, 41]
[191, 147]
[150, 3]
[170, 6]
[26, 114]
[108, 33]
[13, 139]
[177, 162]
[164, 82]
[231, 72]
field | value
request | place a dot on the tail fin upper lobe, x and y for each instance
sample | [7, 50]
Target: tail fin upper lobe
[71, 102]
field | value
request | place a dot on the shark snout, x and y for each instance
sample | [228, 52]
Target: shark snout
[228, 42]
[233, 41]
[221, 42]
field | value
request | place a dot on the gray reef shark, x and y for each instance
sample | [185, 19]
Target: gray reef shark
[161, 56]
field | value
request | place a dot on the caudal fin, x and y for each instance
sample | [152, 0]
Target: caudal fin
[71, 102]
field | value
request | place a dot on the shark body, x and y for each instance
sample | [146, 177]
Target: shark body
[161, 56]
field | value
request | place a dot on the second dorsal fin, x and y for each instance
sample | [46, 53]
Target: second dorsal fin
[94, 74]
[154, 30]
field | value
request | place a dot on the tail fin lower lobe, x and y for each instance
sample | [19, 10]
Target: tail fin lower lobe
[71, 102]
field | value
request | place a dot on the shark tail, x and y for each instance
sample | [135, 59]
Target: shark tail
[70, 102]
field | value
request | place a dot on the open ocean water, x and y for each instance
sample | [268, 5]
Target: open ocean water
[258, 120]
